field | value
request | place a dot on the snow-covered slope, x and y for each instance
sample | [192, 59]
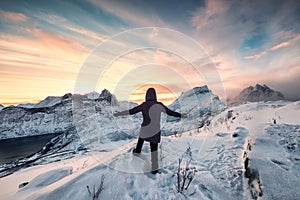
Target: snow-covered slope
[26, 105]
[250, 151]
[258, 93]
[1, 107]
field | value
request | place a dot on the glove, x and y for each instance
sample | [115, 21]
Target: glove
[116, 114]
[184, 116]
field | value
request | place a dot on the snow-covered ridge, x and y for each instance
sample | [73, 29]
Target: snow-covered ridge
[1, 107]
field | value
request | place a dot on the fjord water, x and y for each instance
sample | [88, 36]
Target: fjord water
[13, 149]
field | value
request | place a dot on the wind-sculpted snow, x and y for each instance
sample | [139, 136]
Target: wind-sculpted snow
[276, 155]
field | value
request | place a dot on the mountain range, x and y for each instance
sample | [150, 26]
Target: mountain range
[56, 115]
[245, 151]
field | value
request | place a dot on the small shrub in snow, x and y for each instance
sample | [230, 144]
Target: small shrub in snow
[95, 193]
[184, 176]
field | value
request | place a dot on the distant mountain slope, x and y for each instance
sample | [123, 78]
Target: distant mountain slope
[1, 107]
[258, 93]
[52, 115]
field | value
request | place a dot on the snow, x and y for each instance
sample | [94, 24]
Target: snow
[246, 151]
[48, 102]
[27, 105]
[93, 95]
[1, 107]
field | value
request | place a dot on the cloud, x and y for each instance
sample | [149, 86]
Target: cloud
[129, 13]
[275, 47]
[44, 44]
[256, 56]
[79, 33]
[281, 45]
[13, 17]
[205, 16]
[86, 32]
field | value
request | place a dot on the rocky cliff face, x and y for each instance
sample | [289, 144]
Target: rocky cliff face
[258, 93]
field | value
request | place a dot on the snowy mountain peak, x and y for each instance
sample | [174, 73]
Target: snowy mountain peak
[195, 91]
[93, 95]
[258, 93]
[105, 93]
[67, 96]
[199, 103]
[107, 96]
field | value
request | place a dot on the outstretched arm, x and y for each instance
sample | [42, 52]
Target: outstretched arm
[128, 112]
[173, 113]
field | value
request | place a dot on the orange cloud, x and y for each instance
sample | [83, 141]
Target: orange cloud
[13, 17]
[257, 56]
[281, 45]
[44, 44]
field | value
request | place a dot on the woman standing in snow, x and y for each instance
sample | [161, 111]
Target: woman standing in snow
[150, 128]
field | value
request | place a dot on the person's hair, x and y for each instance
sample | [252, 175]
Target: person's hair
[151, 95]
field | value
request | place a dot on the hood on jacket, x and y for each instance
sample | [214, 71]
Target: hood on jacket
[150, 95]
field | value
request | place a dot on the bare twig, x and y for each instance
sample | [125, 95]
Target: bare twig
[178, 175]
[191, 177]
[95, 194]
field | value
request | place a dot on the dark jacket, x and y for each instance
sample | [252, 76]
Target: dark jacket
[151, 110]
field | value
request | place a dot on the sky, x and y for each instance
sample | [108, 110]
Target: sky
[49, 48]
